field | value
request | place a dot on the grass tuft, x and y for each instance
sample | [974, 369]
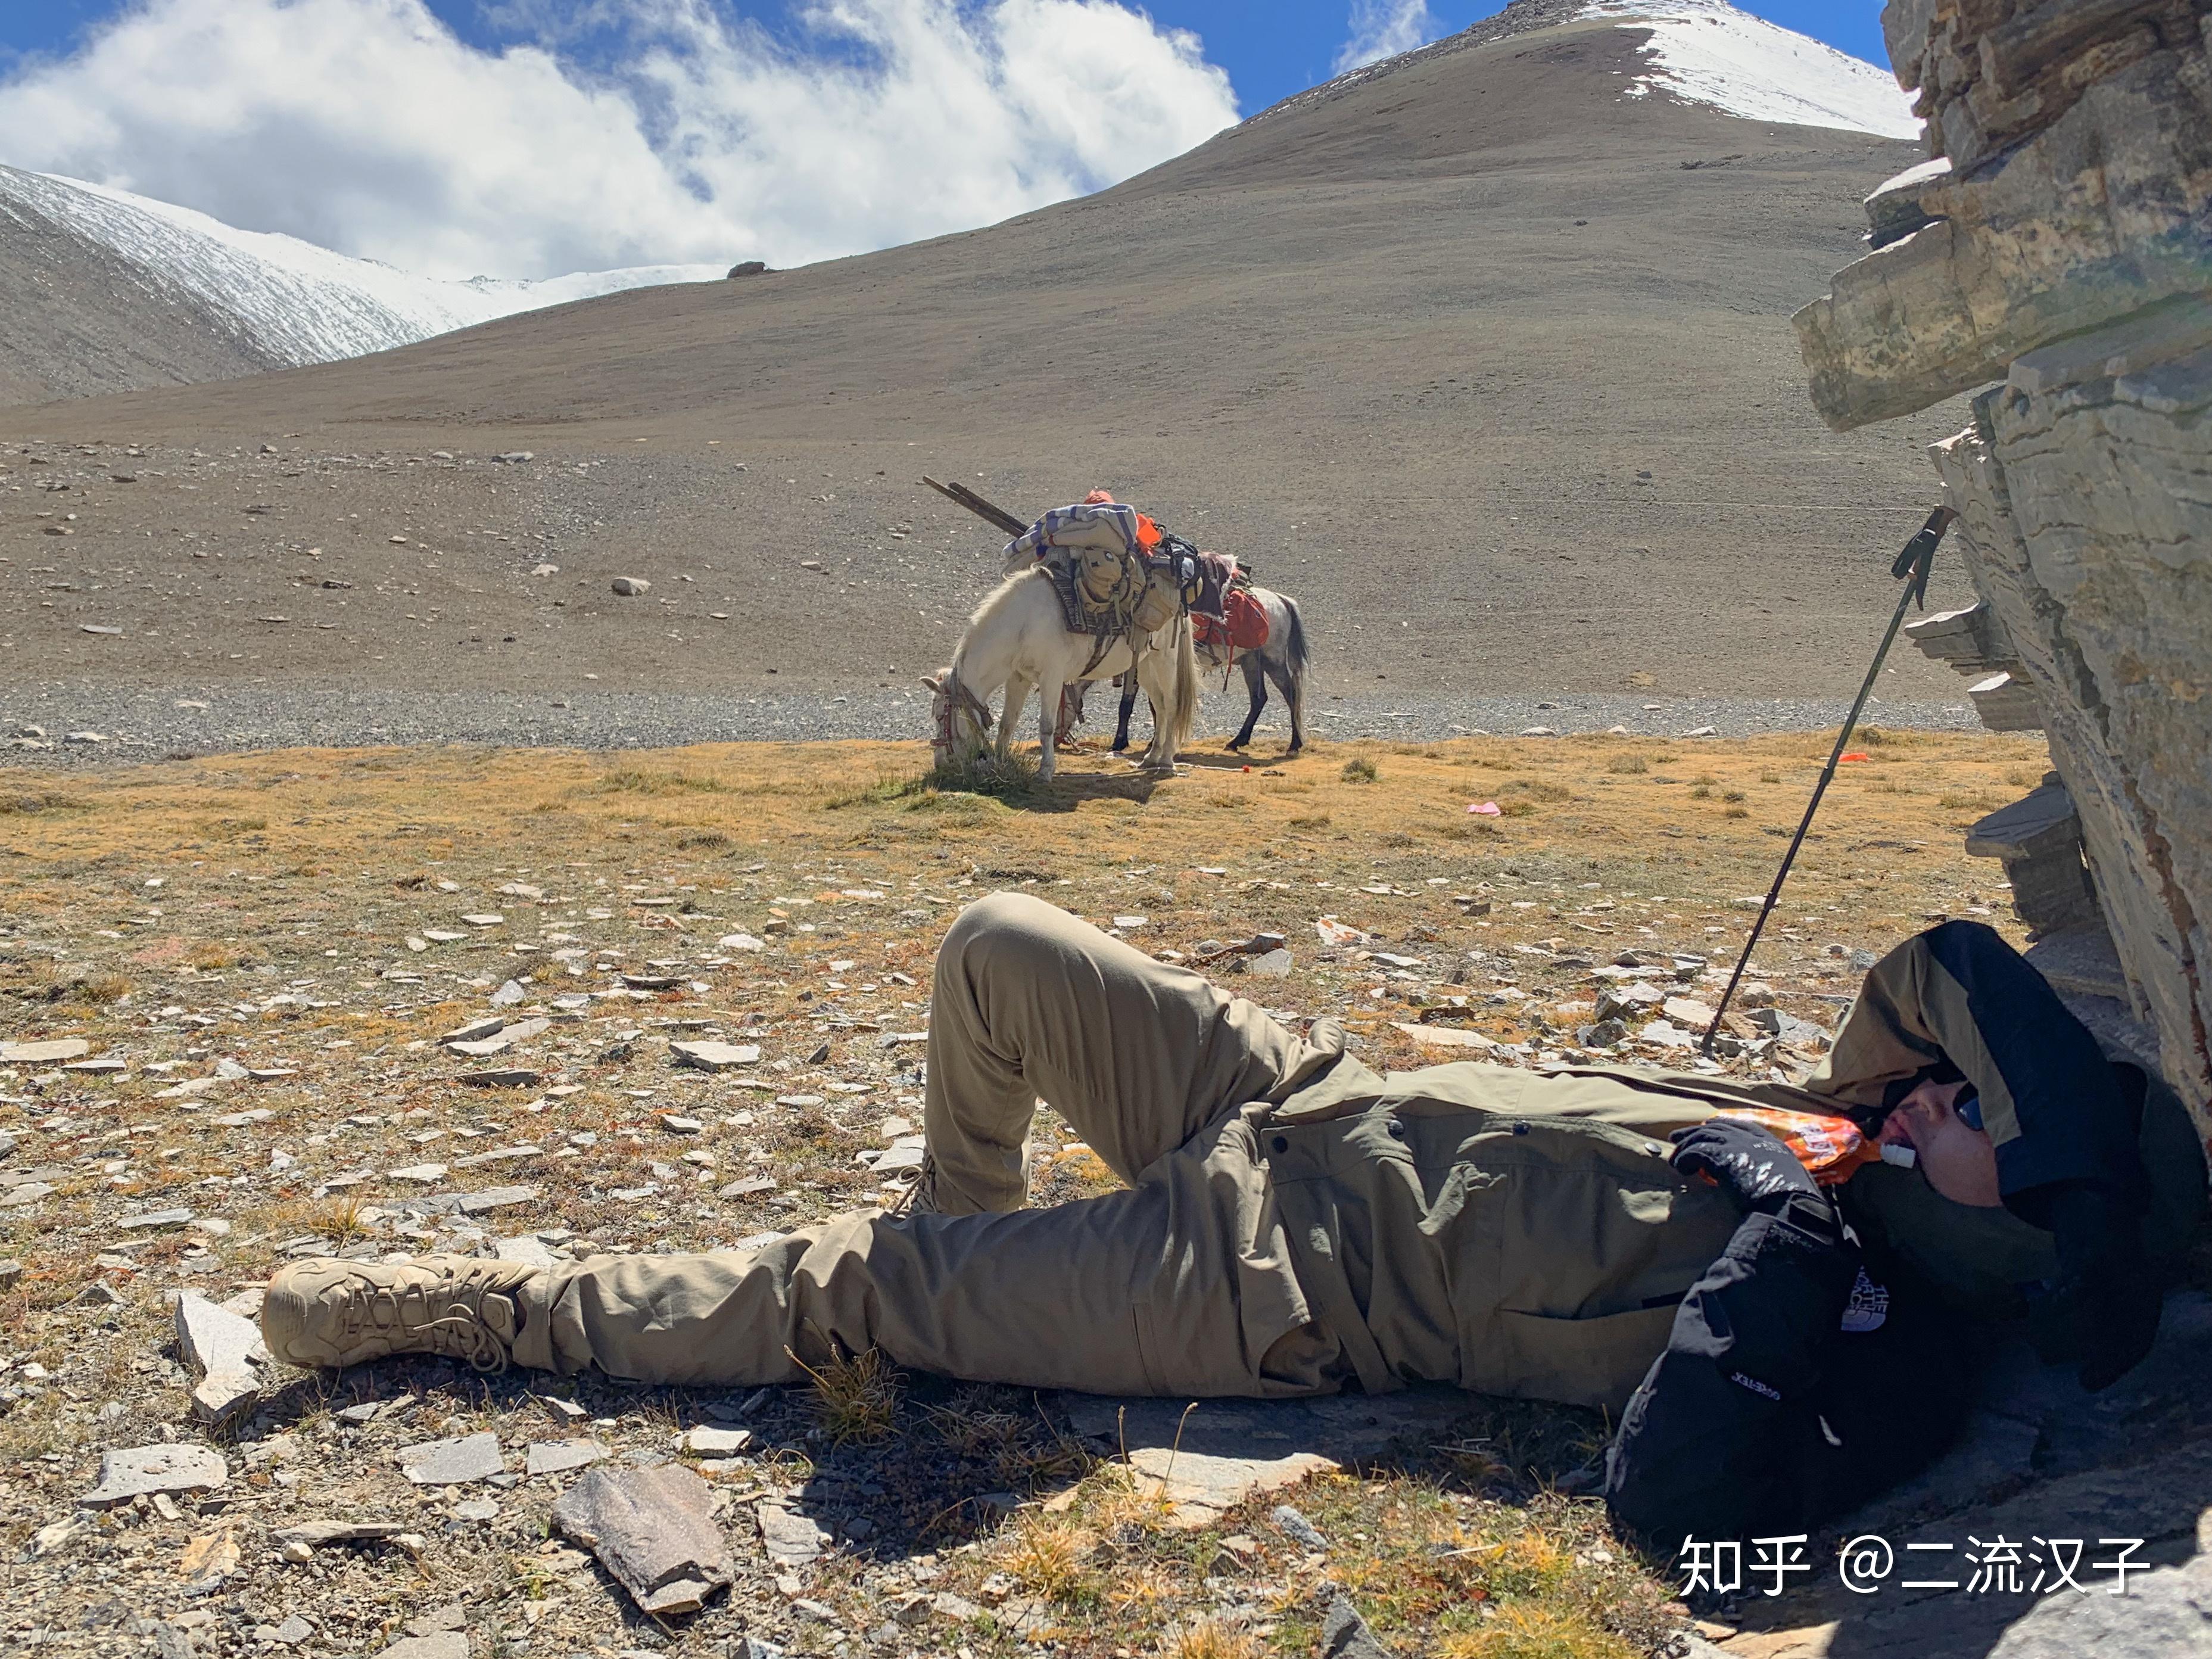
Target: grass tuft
[1359, 770]
[642, 781]
[1534, 1632]
[1047, 1556]
[1214, 1638]
[34, 802]
[1628, 765]
[856, 1396]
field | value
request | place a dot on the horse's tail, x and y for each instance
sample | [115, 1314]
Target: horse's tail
[1186, 686]
[1295, 655]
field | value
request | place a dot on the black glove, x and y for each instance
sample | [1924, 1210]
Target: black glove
[2102, 1312]
[1747, 1163]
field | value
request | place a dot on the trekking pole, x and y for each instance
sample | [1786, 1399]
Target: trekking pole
[1911, 567]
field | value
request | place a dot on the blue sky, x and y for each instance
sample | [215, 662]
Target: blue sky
[1271, 48]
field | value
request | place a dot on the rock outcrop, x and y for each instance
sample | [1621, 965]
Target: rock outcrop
[2061, 245]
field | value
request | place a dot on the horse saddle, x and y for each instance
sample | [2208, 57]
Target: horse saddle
[1109, 590]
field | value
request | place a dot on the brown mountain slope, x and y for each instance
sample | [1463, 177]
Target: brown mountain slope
[1488, 363]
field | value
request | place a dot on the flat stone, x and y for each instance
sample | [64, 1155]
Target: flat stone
[707, 1442]
[477, 1029]
[484, 919]
[428, 1174]
[500, 1041]
[453, 1463]
[528, 1249]
[1228, 1451]
[1344, 1634]
[492, 1198]
[1444, 1036]
[1270, 965]
[153, 1219]
[558, 1457]
[206, 1560]
[2166, 1614]
[97, 1067]
[144, 1470]
[1292, 1524]
[476, 1509]
[292, 1631]
[42, 1053]
[710, 1056]
[443, 1644]
[1687, 1011]
[455, 1615]
[790, 1539]
[630, 587]
[655, 1530]
[224, 1349]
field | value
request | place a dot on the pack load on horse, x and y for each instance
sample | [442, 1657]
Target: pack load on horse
[1093, 591]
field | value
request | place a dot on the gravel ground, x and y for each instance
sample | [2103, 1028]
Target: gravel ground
[138, 724]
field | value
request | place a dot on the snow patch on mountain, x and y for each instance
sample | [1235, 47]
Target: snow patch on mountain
[1708, 53]
[301, 303]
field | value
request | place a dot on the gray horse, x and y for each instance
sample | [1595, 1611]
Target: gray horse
[1284, 660]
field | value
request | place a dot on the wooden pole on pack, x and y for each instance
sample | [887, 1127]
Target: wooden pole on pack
[1911, 568]
[982, 509]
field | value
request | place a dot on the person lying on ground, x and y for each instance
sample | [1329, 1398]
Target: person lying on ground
[1295, 1224]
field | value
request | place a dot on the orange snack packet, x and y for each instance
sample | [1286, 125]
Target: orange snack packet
[1833, 1148]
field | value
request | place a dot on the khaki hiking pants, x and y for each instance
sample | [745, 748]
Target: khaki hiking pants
[1182, 1284]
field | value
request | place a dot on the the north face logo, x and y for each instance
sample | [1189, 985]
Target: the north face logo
[1869, 1306]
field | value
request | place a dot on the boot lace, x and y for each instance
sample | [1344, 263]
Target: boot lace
[459, 1331]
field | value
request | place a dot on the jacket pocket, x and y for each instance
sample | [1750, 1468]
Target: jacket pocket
[1597, 1361]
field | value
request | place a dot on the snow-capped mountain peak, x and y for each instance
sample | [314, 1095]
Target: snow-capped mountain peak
[297, 303]
[1707, 51]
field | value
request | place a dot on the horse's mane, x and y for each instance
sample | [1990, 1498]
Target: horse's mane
[991, 604]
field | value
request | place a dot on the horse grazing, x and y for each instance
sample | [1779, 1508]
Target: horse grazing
[1283, 658]
[1018, 639]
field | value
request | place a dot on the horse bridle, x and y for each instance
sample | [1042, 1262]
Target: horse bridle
[959, 700]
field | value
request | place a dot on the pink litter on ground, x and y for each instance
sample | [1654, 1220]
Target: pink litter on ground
[1488, 809]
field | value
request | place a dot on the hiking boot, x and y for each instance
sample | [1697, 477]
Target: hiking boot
[921, 1197]
[328, 1314]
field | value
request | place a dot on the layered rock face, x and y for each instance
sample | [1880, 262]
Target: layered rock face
[2061, 245]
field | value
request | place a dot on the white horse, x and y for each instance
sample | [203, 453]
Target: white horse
[1018, 639]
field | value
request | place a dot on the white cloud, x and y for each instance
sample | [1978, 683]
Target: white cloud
[1383, 28]
[367, 126]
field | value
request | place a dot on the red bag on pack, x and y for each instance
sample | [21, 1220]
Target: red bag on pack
[1247, 628]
